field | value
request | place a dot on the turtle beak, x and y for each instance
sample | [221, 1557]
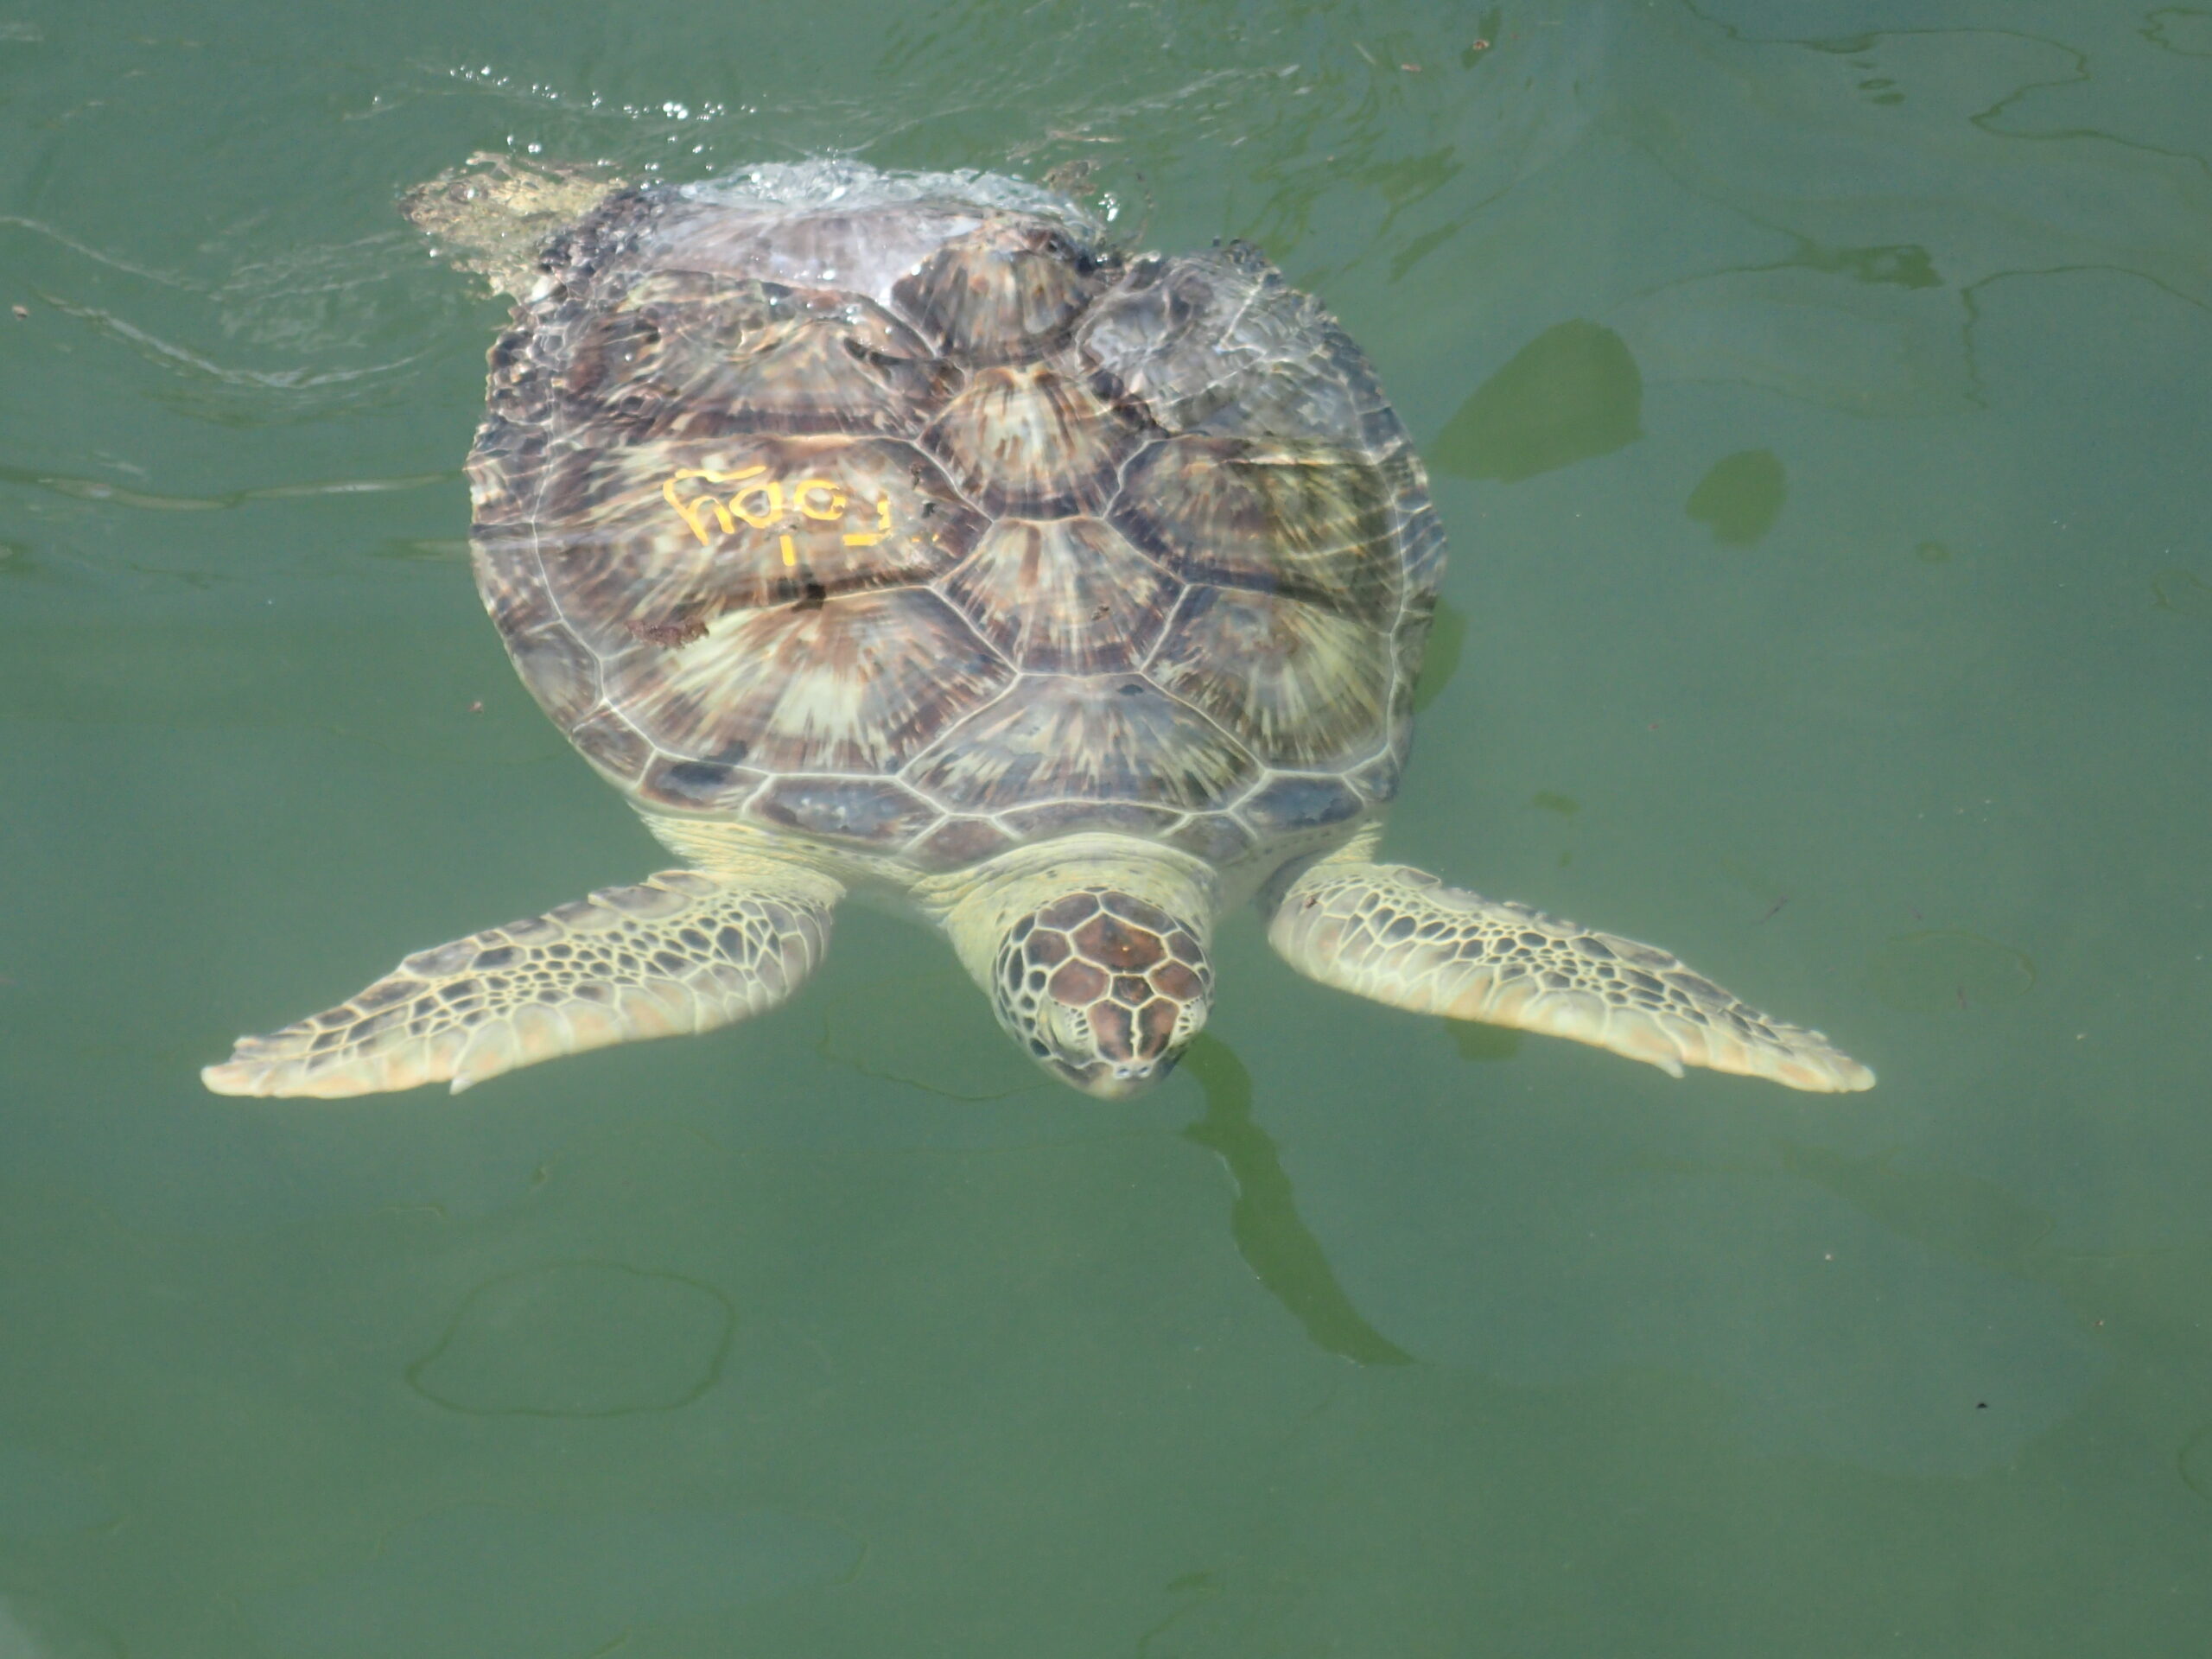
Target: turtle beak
[1111, 1063]
[1122, 1083]
[1109, 1053]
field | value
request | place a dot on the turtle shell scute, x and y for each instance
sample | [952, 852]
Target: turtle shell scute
[1077, 817]
[1034, 440]
[613, 744]
[1305, 519]
[1296, 683]
[1379, 778]
[713, 787]
[1064, 595]
[1286, 805]
[687, 354]
[1006, 291]
[1085, 737]
[958, 842]
[1214, 837]
[555, 664]
[663, 531]
[858, 683]
[1218, 342]
[874, 810]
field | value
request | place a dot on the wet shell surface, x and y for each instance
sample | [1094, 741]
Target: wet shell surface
[900, 514]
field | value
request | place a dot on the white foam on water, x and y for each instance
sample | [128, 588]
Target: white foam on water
[840, 182]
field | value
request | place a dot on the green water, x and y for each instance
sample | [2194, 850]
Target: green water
[1818, 398]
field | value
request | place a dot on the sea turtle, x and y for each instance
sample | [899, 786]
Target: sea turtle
[894, 533]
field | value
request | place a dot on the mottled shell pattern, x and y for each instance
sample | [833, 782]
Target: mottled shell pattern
[895, 511]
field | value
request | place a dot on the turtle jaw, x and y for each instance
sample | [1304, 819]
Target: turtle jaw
[1104, 989]
[1124, 1082]
[1102, 1064]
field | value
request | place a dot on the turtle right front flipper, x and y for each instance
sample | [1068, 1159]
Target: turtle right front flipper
[1399, 935]
[676, 954]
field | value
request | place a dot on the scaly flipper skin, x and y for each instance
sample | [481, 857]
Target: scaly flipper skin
[676, 954]
[1399, 935]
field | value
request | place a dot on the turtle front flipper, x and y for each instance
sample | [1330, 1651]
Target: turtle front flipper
[676, 954]
[1401, 937]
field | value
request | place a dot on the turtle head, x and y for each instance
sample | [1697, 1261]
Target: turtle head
[1102, 988]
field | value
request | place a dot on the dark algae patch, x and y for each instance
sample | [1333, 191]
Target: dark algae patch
[2182, 592]
[1447, 633]
[1740, 496]
[1573, 393]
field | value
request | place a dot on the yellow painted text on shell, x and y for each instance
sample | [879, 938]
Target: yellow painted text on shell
[760, 502]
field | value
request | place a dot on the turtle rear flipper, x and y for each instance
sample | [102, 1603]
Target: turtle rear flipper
[491, 214]
[1401, 937]
[676, 954]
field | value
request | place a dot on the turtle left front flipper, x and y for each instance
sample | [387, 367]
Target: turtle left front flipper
[676, 954]
[1399, 935]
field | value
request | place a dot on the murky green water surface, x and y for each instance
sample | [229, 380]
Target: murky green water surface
[1817, 398]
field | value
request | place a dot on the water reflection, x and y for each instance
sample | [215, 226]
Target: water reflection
[2183, 30]
[31, 1628]
[579, 1340]
[478, 1582]
[1955, 186]
[929, 1030]
[110, 493]
[1975, 1220]
[42, 1496]
[1944, 968]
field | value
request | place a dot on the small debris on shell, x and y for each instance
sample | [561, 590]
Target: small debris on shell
[671, 633]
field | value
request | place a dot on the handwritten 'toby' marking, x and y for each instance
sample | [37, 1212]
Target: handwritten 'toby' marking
[767, 501]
